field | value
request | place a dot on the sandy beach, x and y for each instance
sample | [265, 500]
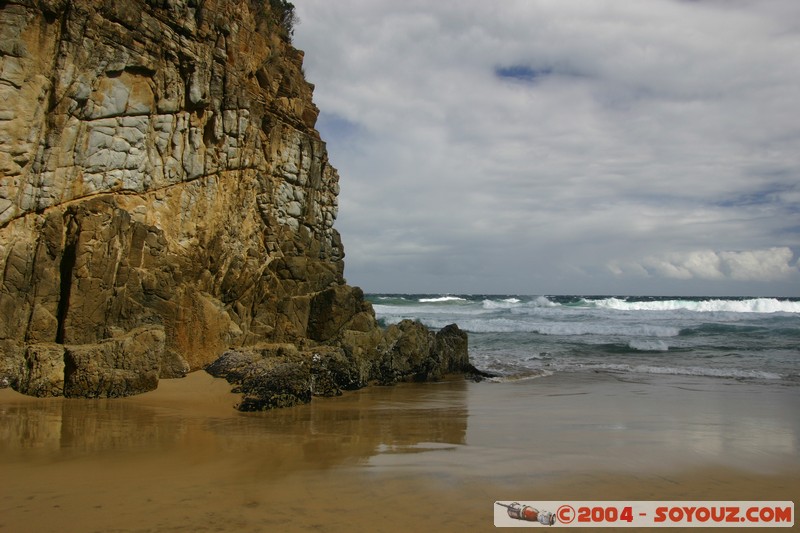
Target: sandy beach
[424, 457]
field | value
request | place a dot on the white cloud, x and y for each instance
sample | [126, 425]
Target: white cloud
[773, 264]
[766, 265]
[631, 130]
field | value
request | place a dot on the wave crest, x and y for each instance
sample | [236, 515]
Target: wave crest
[439, 299]
[752, 305]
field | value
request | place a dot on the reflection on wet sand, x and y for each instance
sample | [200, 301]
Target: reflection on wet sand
[324, 434]
[59, 427]
[415, 456]
[166, 462]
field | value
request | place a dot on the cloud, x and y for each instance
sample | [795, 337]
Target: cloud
[759, 265]
[535, 142]
[772, 264]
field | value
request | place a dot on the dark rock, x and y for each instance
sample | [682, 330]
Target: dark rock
[415, 353]
[477, 375]
[452, 345]
[267, 377]
[273, 384]
[233, 365]
[282, 375]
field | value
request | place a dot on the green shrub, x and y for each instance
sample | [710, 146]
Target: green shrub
[285, 15]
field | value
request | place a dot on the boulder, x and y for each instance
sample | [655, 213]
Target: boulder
[116, 367]
[284, 375]
[267, 377]
[414, 353]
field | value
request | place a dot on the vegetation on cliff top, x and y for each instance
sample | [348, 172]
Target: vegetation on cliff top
[285, 16]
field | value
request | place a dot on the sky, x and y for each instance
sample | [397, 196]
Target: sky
[647, 147]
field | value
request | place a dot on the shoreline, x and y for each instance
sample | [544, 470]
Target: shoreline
[410, 456]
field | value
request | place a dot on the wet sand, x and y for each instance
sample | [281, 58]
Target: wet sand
[424, 457]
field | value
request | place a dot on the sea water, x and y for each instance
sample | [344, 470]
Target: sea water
[522, 337]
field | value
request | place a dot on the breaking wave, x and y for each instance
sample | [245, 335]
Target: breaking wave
[440, 299]
[503, 325]
[752, 305]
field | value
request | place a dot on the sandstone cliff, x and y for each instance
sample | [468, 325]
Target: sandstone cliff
[165, 199]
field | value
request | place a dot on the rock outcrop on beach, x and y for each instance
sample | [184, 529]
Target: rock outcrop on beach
[165, 201]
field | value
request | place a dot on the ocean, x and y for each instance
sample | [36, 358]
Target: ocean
[756, 340]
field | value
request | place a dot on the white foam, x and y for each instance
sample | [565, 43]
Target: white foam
[648, 345]
[439, 299]
[736, 373]
[543, 301]
[521, 376]
[515, 303]
[753, 305]
[505, 325]
[500, 304]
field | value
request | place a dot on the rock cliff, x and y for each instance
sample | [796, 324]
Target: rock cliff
[165, 200]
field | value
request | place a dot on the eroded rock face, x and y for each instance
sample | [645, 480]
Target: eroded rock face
[164, 198]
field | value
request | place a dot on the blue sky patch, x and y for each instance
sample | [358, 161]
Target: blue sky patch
[522, 73]
[332, 126]
[766, 196]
